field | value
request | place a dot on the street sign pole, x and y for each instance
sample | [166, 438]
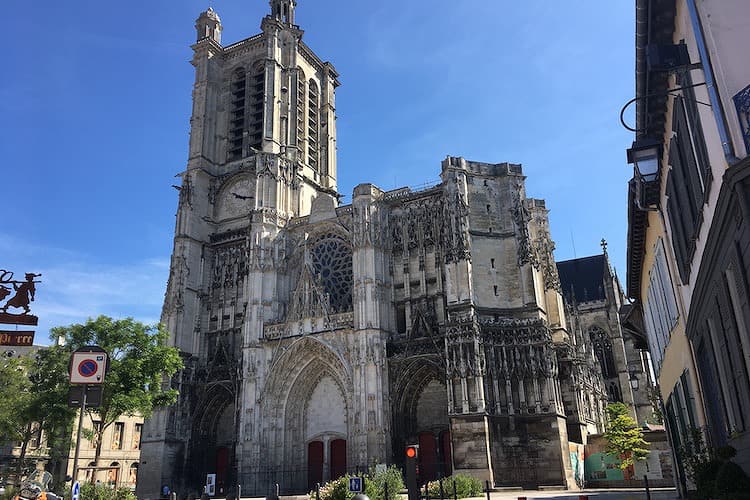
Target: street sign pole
[78, 434]
[88, 366]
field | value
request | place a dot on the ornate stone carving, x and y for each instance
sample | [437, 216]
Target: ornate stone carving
[521, 217]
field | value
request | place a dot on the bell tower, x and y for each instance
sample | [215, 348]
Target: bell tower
[283, 10]
[262, 149]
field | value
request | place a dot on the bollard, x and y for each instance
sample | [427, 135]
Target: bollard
[487, 486]
[239, 492]
[426, 492]
[455, 493]
[442, 493]
[385, 491]
[173, 495]
[317, 491]
[648, 493]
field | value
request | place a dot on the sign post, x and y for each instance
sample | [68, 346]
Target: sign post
[75, 492]
[355, 485]
[211, 484]
[88, 366]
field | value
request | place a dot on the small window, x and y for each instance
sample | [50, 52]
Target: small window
[137, 432]
[492, 263]
[117, 435]
[495, 287]
[488, 209]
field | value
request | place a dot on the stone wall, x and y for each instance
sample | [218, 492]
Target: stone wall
[527, 450]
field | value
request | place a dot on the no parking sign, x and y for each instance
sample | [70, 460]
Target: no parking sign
[88, 366]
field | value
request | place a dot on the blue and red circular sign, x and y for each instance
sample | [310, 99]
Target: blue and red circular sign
[88, 368]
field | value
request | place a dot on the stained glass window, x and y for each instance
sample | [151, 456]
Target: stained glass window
[332, 261]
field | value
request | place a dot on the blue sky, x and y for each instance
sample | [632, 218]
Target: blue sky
[95, 102]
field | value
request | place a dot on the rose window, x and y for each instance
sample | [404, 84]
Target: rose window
[332, 262]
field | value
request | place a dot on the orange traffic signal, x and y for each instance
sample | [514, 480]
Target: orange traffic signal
[411, 452]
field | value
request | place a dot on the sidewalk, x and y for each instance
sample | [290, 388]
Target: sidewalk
[593, 494]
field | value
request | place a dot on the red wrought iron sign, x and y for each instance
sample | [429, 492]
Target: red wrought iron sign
[17, 308]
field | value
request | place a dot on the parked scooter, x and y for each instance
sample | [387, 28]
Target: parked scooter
[36, 487]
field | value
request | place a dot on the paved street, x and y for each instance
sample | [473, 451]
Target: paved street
[629, 494]
[601, 494]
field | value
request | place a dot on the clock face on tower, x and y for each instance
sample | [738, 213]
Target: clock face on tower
[236, 198]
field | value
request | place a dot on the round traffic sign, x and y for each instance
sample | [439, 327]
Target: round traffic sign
[87, 368]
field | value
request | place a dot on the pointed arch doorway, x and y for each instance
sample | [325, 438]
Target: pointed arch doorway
[421, 417]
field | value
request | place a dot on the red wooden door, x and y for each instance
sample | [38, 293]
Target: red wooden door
[445, 438]
[314, 464]
[222, 466]
[428, 458]
[338, 458]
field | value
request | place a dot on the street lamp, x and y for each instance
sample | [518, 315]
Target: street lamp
[633, 381]
[645, 155]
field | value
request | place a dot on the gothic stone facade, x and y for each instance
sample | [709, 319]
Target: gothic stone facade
[321, 338]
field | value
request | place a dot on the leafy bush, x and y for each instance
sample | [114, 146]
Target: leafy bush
[375, 484]
[466, 486]
[100, 492]
[338, 489]
[714, 474]
[731, 482]
[10, 492]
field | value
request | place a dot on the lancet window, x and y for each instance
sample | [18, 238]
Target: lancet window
[603, 350]
[301, 112]
[313, 124]
[255, 106]
[236, 114]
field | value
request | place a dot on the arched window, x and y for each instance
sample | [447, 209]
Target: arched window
[332, 263]
[255, 106]
[133, 474]
[113, 474]
[236, 115]
[89, 474]
[603, 350]
[313, 124]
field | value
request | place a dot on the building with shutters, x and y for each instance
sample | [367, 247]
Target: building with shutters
[688, 239]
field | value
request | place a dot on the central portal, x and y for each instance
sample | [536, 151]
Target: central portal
[319, 462]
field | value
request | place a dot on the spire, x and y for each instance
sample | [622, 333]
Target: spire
[283, 10]
[208, 25]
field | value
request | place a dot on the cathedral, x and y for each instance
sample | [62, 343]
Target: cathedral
[321, 338]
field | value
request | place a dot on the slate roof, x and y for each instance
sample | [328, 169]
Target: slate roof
[582, 279]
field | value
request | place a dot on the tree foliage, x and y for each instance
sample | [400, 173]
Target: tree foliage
[15, 391]
[624, 436]
[34, 391]
[140, 364]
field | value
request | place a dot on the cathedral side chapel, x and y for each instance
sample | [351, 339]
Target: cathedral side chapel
[322, 338]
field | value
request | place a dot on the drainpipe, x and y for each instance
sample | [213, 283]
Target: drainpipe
[726, 141]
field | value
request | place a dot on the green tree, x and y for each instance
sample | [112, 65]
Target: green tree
[34, 393]
[50, 386]
[140, 364]
[624, 436]
[15, 410]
